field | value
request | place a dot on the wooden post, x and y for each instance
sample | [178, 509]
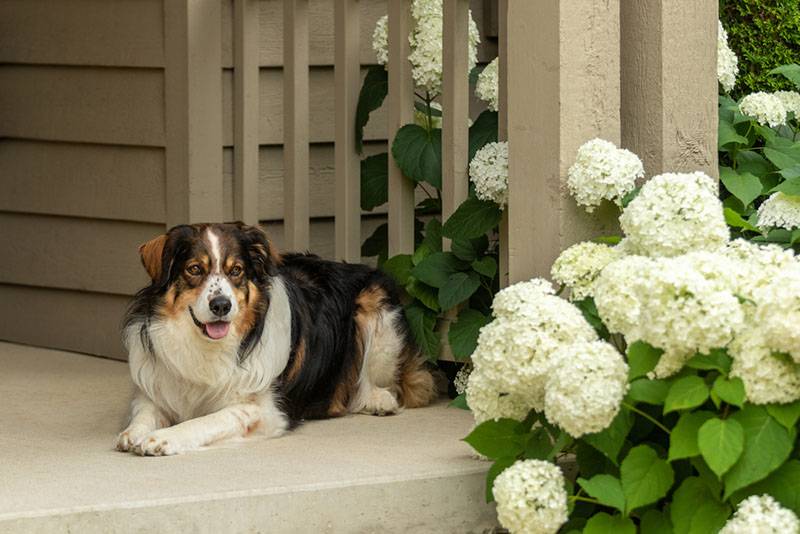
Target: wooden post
[502, 124]
[193, 100]
[669, 84]
[348, 167]
[562, 74]
[295, 124]
[401, 112]
[245, 105]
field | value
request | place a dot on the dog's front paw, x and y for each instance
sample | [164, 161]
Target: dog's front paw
[161, 443]
[381, 401]
[129, 438]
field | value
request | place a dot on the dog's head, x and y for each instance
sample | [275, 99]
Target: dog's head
[214, 274]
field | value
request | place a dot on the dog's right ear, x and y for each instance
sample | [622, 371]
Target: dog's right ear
[152, 254]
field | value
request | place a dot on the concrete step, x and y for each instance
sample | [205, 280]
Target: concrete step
[60, 412]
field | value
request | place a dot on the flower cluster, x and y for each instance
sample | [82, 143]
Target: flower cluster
[488, 171]
[727, 62]
[603, 172]
[762, 514]
[673, 214]
[487, 88]
[790, 101]
[531, 498]
[380, 40]
[779, 211]
[767, 108]
[579, 266]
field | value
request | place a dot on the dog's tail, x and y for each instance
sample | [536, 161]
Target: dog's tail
[417, 386]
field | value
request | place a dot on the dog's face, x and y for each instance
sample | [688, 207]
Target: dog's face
[213, 274]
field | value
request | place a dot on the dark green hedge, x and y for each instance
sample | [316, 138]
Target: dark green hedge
[764, 34]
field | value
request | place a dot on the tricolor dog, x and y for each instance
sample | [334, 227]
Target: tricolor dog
[231, 338]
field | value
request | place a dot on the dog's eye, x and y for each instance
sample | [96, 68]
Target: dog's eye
[236, 271]
[194, 270]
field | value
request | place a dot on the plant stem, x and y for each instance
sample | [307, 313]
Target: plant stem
[646, 416]
[428, 101]
[585, 499]
[426, 190]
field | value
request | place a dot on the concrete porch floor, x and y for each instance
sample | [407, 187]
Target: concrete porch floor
[60, 412]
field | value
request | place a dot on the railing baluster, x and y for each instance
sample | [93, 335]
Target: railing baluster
[245, 105]
[401, 112]
[347, 80]
[295, 123]
[502, 124]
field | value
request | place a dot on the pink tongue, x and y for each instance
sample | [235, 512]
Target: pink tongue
[217, 330]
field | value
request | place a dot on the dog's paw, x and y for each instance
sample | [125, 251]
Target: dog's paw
[160, 443]
[128, 439]
[381, 401]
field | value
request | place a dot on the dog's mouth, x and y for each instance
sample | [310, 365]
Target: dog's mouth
[213, 330]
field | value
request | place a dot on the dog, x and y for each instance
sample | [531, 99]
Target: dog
[230, 338]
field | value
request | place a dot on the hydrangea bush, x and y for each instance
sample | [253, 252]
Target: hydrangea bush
[657, 389]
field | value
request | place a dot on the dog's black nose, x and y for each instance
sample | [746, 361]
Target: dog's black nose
[220, 306]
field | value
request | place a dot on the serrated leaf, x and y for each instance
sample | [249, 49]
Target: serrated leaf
[418, 153]
[785, 414]
[717, 359]
[648, 391]
[752, 162]
[374, 181]
[655, 522]
[426, 294]
[373, 92]
[436, 268]
[463, 250]
[685, 393]
[539, 445]
[588, 308]
[486, 266]
[377, 244]
[497, 438]
[610, 441]
[422, 321]
[606, 489]
[783, 158]
[767, 445]
[497, 467]
[683, 438]
[459, 402]
[721, 442]
[642, 358]
[433, 235]
[783, 484]
[602, 523]
[731, 391]
[790, 71]
[695, 510]
[646, 478]
[727, 135]
[458, 288]
[399, 267]
[482, 131]
[463, 333]
[734, 219]
[789, 187]
[473, 218]
[743, 186]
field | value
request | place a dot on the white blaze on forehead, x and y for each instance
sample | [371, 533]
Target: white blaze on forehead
[216, 257]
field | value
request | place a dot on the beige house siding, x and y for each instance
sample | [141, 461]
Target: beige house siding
[82, 153]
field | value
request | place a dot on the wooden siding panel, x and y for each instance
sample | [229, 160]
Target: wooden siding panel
[91, 105]
[82, 180]
[71, 253]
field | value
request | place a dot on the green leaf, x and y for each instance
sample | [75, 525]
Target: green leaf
[629, 196]
[373, 92]
[767, 445]
[377, 244]
[685, 393]
[426, 294]
[606, 489]
[731, 391]
[743, 186]
[783, 158]
[497, 438]
[486, 266]
[783, 484]
[458, 288]
[423, 251]
[436, 268]
[727, 135]
[497, 467]
[648, 391]
[791, 72]
[721, 442]
[463, 250]
[717, 360]
[459, 402]
[602, 523]
[374, 181]
[695, 510]
[399, 268]
[422, 321]
[655, 522]
[418, 153]
[791, 173]
[642, 358]
[433, 235]
[611, 440]
[463, 334]
[752, 162]
[789, 187]
[482, 131]
[785, 414]
[683, 439]
[588, 308]
[735, 220]
[539, 445]
[473, 218]
[645, 477]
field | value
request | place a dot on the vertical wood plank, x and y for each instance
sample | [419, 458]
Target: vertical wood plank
[348, 172]
[401, 112]
[502, 123]
[245, 105]
[455, 107]
[295, 123]
[193, 101]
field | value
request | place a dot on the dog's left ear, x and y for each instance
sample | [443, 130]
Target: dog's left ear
[152, 254]
[263, 256]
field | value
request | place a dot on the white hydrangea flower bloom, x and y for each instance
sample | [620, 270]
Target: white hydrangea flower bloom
[617, 294]
[517, 297]
[790, 101]
[380, 40]
[761, 514]
[603, 172]
[488, 170]
[778, 312]
[585, 387]
[462, 377]
[486, 401]
[579, 266]
[727, 62]
[674, 214]
[531, 498]
[767, 378]
[755, 265]
[766, 108]
[779, 211]
[487, 87]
